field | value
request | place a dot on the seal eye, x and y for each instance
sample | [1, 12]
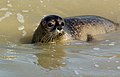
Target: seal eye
[62, 23]
[50, 24]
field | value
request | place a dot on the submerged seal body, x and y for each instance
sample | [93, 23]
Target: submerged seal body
[54, 28]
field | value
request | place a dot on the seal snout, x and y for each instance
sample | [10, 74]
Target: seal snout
[50, 29]
[59, 28]
[55, 25]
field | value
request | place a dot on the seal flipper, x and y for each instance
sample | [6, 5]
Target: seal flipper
[89, 38]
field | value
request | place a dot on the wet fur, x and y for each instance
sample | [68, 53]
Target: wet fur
[81, 28]
[86, 27]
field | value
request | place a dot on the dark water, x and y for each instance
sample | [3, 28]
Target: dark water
[18, 20]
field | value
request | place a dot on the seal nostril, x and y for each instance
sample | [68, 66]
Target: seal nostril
[60, 34]
[59, 28]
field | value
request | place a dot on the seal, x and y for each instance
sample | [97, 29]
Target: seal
[54, 28]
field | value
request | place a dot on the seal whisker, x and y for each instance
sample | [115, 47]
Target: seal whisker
[51, 38]
[48, 38]
[43, 38]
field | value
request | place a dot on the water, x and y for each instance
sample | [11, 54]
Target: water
[19, 19]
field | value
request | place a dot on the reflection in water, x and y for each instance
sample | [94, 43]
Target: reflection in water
[51, 57]
[7, 57]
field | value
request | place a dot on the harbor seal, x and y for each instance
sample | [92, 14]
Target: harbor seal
[54, 28]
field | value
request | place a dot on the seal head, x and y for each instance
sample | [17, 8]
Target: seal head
[49, 30]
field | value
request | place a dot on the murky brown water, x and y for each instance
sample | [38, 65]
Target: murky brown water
[18, 20]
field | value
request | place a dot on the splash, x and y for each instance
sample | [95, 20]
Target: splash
[118, 67]
[97, 49]
[3, 9]
[24, 33]
[9, 5]
[7, 14]
[21, 27]
[20, 18]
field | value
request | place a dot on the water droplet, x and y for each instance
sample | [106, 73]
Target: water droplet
[117, 61]
[7, 14]
[96, 65]
[118, 67]
[112, 57]
[4, 9]
[107, 40]
[24, 33]
[8, 1]
[52, 55]
[25, 11]
[20, 18]
[96, 49]
[80, 68]
[63, 63]
[21, 27]
[111, 44]
[78, 43]
[76, 72]
[54, 50]
[9, 5]
[41, 1]
[11, 44]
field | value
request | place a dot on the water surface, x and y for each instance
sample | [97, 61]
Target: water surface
[19, 19]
